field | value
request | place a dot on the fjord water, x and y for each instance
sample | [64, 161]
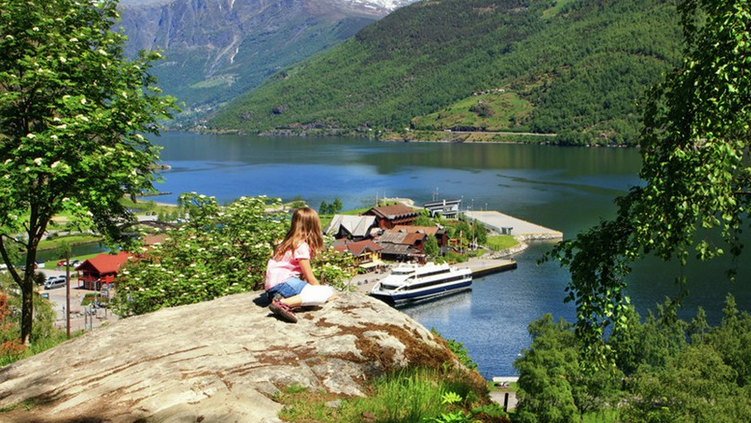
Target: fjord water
[568, 189]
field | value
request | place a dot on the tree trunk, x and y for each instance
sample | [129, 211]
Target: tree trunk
[27, 286]
[27, 308]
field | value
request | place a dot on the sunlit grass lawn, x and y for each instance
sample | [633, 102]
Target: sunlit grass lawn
[56, 242]
[501, 242]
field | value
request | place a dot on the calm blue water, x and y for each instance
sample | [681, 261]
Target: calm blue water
[568, 189]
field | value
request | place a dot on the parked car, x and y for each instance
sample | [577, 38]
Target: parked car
[58, 282]
[73, 263]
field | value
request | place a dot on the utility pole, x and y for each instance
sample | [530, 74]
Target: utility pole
[67, 292]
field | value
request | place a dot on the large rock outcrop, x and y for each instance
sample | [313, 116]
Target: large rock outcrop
[217, 361]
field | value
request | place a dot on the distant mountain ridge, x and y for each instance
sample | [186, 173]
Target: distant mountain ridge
[217, 49]
[577, 68]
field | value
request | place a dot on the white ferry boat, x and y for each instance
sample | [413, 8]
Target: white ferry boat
[411, 282]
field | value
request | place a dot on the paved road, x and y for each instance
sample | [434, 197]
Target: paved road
[78, 319]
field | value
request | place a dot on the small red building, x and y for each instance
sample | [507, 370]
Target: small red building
[100, 270]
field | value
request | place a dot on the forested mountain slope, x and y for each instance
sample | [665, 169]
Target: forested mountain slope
[218, 49]
[577, 66]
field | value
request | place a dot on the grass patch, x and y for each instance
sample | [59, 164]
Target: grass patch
[92, 297]
[406, 396]
[497, 111]
[27, 405]
[38, 346]
[556, 9]
[214, 82]
[149, 206]
[501, 242]
[55, 242]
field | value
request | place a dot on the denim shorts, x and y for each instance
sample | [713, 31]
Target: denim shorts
[288, 288]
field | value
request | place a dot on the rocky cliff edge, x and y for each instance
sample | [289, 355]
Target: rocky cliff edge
[217, 361]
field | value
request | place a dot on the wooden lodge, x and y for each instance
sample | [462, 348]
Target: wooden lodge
[392, 215]
[402, 245]
[102, 269]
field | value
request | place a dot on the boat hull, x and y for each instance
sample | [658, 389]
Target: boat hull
[422, 294]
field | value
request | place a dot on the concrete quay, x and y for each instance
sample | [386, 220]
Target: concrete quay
[487, 267]
[520, 229]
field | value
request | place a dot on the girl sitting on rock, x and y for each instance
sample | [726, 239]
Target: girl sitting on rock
[290, 281]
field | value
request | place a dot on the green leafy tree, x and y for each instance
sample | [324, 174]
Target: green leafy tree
[554, 386]
[705, 379]
[336, 206]
[545, 371]
[652, 343]
[423, 219]
[732, 340]
[324, 208]
[694, 386]
[72, 113]
[219, 251]
[481, 232]
[695, 148]
[334, 268]
[431, 248]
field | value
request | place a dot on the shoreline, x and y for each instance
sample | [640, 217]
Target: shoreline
[471, 137]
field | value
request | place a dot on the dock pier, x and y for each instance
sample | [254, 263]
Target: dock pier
[488, 267]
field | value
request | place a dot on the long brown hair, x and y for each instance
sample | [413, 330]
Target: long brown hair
[305, 227]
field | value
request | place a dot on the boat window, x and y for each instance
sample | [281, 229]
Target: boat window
[438, 283]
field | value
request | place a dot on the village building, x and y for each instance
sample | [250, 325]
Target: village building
[367, 253]
[431, 231]
[446, 208]
[402, 245]
[99, 270]
[392, 215]
[354, 228]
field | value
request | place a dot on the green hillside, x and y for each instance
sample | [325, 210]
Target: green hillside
[183, 75]
[573, 67]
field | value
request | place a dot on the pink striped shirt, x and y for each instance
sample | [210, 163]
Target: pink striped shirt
[278, 271]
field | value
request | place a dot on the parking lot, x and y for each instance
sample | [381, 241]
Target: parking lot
[80, 317]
